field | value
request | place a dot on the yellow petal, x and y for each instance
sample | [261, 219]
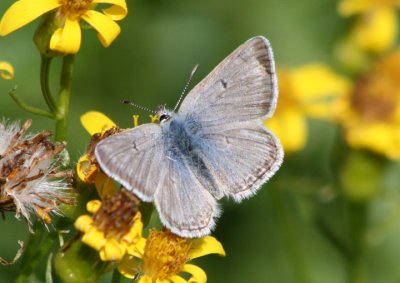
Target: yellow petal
[67, 39]
[83, 223]
[94, 238]
[104, 185]
[137, 248]
[350, 7]
[93, 206]
[204, 246]
[198, 274]
[177, 279]
[6, 70]
[23, 12]
[381, 138]
[145, 279]
[290, 126]
[318, 89]
[135, 233]
[128, 267]
[112, 250]
[86, 170]
[107, 29]
[117, 12]
[96, 122]
[376, 31]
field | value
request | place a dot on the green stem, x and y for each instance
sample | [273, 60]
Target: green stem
[63, 101]
[27, 107]
[37, 248]
[116, 276]
[291, 240]
[44, 83]
[357, 229]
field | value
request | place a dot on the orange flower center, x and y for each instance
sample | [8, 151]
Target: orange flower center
[116, 214]
[75, 8]
[164, 254]
[383, 3]
[390, 3]
[376, 96]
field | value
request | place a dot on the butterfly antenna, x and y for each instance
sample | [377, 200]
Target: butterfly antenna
[186, 86]
[138, 106]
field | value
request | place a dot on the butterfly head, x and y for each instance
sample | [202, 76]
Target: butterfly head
[164, 114]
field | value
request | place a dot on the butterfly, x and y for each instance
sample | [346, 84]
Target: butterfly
[215, 145]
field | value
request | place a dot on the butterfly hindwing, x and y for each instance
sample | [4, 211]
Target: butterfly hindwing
[184, 205]
[241, 157]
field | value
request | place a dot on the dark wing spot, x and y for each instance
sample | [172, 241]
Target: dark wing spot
[224, 83]
[134, 146]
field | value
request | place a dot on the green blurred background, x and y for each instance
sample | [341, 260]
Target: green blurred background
[276, 236]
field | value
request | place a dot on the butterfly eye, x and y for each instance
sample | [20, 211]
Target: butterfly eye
[164, 117]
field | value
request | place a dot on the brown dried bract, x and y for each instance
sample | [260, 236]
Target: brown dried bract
[30, 182]
[96, 138]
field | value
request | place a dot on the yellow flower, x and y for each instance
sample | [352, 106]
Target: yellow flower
[6, 70]
[376, 28]
[164, 256]
[67, 38]
[100, 127]
[311, 90]
[115, 225]
[370, 115]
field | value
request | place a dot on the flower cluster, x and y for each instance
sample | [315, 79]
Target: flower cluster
[376, 24]
[30, 179]
[371, 112]
[365, 105]
[66, 35]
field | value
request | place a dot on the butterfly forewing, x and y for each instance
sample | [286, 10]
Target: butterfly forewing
[242, 87]
[133, 158]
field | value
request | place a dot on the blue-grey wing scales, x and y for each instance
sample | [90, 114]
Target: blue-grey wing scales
[134, 158]
[139, 159]
[229, 107]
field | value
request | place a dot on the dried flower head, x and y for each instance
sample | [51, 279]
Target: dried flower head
[30, 182]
